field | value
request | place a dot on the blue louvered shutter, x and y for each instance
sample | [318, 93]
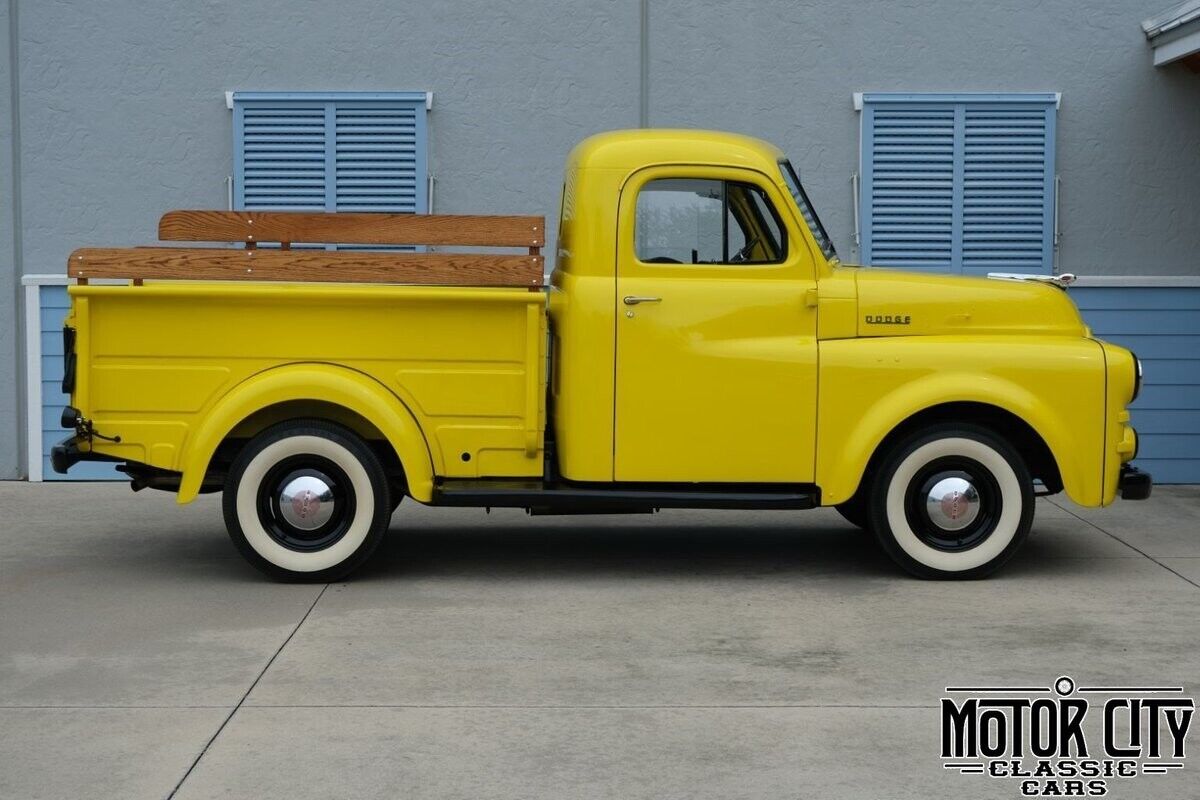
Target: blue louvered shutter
[908, 186]
[330, 152]
[959, 183]
[379, 157]
[1008, 188]
[280, 162]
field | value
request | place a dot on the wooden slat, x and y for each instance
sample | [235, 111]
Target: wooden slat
[428, 269]
[288, 226]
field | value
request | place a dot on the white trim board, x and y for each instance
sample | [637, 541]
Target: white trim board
[231, 95]
[33, 381]
[46, 279]
[1170, 52]
[943, 97]
[1162, 281]
[61, 279]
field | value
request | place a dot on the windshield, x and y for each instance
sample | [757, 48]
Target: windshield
[806, 209]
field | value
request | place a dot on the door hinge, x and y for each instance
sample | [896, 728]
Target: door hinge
[810, 297]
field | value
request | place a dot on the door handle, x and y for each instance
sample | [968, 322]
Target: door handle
[633, 300]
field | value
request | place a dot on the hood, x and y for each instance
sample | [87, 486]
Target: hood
[894, 303]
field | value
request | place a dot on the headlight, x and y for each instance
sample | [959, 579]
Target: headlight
[1137, 381]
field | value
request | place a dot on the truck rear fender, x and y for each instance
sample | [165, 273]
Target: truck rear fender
[319, 382]
[844, 452]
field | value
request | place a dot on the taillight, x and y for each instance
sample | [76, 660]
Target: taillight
[1137, 381]
[68, 381]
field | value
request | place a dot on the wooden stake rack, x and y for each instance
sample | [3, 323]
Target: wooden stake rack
[283, 263]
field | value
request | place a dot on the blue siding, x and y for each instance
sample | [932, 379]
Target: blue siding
[958, 183]
[53, 302]
[1161, 325]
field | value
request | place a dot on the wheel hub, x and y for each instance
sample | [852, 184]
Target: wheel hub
[307, 502]
[952, 503]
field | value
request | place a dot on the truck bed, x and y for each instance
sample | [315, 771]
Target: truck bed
[468, 363]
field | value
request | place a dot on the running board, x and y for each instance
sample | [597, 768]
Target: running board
[621, 498]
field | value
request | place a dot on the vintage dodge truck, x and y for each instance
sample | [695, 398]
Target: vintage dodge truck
[699, 346]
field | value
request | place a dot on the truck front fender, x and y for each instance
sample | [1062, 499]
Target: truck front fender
[849, 437]
[325, 383]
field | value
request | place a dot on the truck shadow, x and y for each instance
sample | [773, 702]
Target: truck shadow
[429, 542]
[591, 546]
[582, 548]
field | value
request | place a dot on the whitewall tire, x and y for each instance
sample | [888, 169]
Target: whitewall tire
[952, 501]
[306, 500]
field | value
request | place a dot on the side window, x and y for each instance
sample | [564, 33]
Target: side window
[680, 222]
[755, 235]
[698, 221]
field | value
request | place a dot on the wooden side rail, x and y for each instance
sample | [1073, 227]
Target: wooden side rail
[287, 227]
[177, 263]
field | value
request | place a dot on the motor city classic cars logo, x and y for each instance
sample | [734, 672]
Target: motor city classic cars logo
[1044, 739]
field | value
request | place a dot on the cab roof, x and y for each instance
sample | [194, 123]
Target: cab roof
[629, 150]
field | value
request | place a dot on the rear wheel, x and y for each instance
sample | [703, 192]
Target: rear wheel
[954, 501]
[307, 500]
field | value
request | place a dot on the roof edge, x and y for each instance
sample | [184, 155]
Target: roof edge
[1171, 19]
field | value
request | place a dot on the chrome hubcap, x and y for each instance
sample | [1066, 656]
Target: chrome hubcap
[306, 502]
[952, 503]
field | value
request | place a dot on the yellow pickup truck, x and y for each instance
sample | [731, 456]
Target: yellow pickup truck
[699, 346]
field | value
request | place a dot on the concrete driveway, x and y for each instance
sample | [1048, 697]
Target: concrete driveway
[690, 654]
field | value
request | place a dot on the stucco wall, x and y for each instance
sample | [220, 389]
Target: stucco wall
[1128, 143]
[125, 115]
[122, 108]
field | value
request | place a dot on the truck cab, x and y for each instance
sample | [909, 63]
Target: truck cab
[700, 344]
[686, 273]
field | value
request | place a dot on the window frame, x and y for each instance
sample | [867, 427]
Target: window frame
[791, 179]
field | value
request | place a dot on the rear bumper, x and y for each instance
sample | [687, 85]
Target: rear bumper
[67, 454]
[1134, 484]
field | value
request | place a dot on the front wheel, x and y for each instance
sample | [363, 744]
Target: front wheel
[953, 501]
[306, 500]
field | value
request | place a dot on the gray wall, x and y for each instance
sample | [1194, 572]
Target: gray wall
[1128, 142]
[122, 111]
[11, 387]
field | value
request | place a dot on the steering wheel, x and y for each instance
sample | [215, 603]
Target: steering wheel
[744, 253]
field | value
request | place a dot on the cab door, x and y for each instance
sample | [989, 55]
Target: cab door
[716, 358]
